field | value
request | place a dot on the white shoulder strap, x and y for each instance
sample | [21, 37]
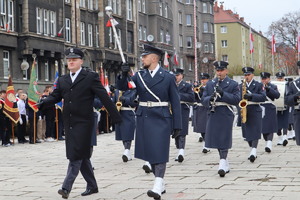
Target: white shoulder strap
[296, 86]
[158, 99]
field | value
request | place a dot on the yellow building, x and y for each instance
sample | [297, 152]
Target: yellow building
[232, 40]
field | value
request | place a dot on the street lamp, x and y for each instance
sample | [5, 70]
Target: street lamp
[109, 12]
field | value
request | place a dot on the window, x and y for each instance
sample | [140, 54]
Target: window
[129, 10]
[90, 35]
[224, 43]
[145, 33]
[212, 28]
[189, 42]
[190, 66]
[6, 67]
[223, 29]
[168, 37]
[188, 1]
[82, 3]
[82, 33]
[205, 27]
[52, 23]
[116, 6]
[180, 17]
[204, 7]
[68, 30]
[181, 63]
[144, 6]
[46, 22]
[206, 48]
[2, 14]
[97, 36]
[90, 4]
[180, 41]
[161, 36]
[225, 58]
[188, 20]
[160, 9]
[130, 42]
[166, 10]
[25, 74]
[210, 9]
[46, 71]
[140, 33]
[96, 5]
[10, 15]
[212, 48]
[139, 6]
[39, 23]
[67, 1]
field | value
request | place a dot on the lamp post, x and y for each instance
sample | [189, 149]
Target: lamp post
[109, 13]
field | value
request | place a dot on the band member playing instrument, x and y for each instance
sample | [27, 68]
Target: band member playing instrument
[201, 111]
[158, 114]
[219, 96]
[269, 125]
[282, 110]
[186, 95]
[125, 130]
[255, 94]
[293, 99]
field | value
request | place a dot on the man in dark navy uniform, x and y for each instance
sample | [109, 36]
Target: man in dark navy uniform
[158, 114]
[293, 99]
[269, 125]
[255, 94]
[78, 89]
[219, 96]
[200, 111]
[186, 99]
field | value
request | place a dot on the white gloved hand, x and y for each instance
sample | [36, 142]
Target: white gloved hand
[40, 117]
[21, 121]
[26, 118]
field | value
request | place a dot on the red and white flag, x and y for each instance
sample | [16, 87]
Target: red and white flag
[175, 59]
[111, 22]
[273, 44]
[166, 60]
[60, 32]
[251, 40]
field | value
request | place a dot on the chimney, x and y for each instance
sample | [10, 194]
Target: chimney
[237, 16]
[242, 19]
[216, 8]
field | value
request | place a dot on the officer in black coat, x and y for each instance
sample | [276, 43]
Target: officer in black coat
[158, 114]
[78, 89]
[293, 99]
[255, 94]
[200, 111]
[219, 96]
[269, 125]
[186, 95]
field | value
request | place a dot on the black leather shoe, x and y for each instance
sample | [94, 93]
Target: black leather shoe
[180, 158]
[205, 150]
[64, 193]
[252, 158]
[285, 142]
[267, 149]
[150, 193]
[221, 172]
[89, 192]
[124, 158]
[147, 169]
[200, 139]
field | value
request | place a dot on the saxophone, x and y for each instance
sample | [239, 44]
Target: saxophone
[243, 103]
[119, 103]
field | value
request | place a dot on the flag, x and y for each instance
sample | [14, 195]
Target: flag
[33, 93]
[175, 59]
[166, 61]
[104, 80]
[251, 39]
[106, 85]
[111, 22]
[10, 106]
[273, 44]
[60, 31]
[59, 104]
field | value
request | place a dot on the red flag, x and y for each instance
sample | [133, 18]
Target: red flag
[111, 22]
[102, 79]
[175, 59]
[11, 107]
[108, 24]
[60, 31]
[273, 44]
[7, 27]
[251, 39]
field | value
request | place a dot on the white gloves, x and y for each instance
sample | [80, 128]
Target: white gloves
[21, 121]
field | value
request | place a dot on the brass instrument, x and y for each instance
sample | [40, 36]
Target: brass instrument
[243, 103]
[197, 89]
[119, 103]
[216, 95]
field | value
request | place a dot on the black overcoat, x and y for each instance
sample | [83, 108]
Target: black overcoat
[78, 112]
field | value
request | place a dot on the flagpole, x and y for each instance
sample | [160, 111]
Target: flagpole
[273, 52]
[34, 128]
[195, 42]
[12, 132]
[56, 122]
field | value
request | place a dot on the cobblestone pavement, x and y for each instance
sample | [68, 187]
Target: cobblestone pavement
[31, 172]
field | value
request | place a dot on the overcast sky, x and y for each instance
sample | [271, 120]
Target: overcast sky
[261, 13]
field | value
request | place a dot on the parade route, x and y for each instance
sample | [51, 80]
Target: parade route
[32, 172]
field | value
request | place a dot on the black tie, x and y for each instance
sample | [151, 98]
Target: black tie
[73, 73]
[151, 72]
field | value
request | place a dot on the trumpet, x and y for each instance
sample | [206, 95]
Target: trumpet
[197, 89]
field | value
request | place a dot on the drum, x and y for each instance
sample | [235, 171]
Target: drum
[279, 103]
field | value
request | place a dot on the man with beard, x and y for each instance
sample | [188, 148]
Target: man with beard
[158, 114]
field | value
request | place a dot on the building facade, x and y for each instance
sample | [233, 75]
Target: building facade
[233, 44]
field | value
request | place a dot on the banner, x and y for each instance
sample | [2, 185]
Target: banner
[33, 92]
[10, 103]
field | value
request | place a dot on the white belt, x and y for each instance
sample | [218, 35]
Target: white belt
[253, 103]
[222, 104]
[297, 107]
[268, 102]
[154, 104]
[127, 108]
[199, 104]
